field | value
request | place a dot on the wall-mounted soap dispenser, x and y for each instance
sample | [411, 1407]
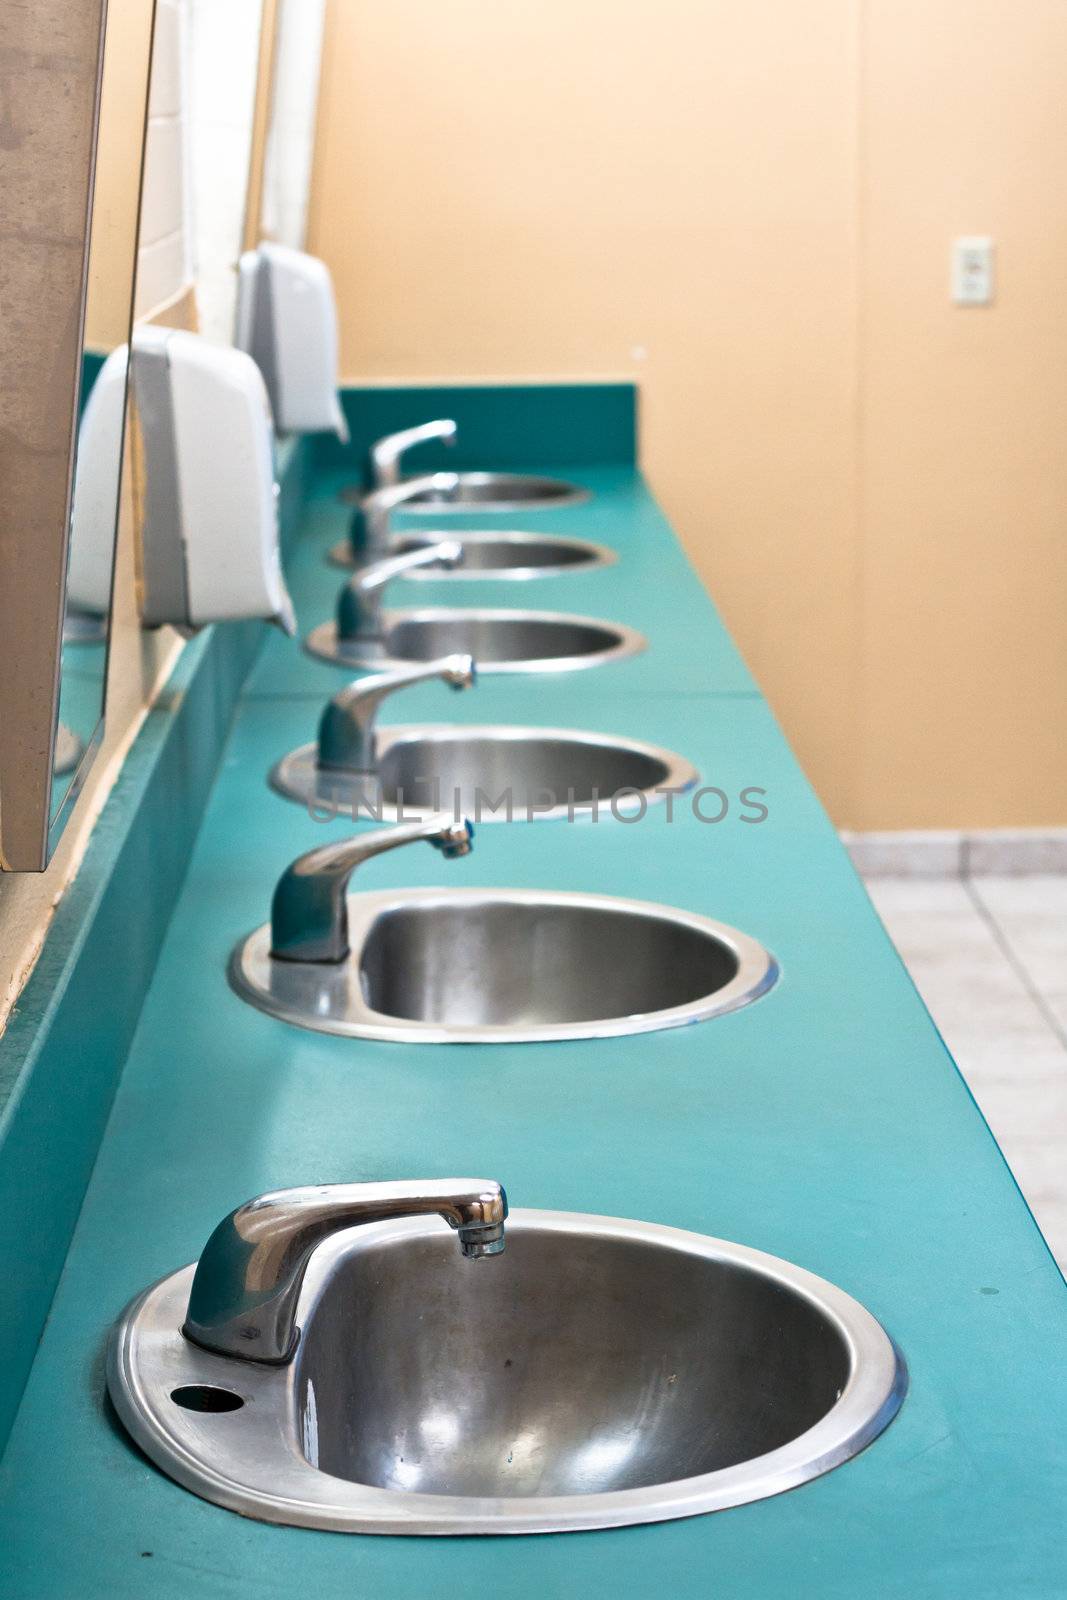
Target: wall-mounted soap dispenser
[287, 322]
[94, 505]
[210, 541]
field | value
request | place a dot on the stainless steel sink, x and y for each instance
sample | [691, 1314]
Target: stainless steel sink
[600, 1372]
[500, 640]
[490, 774]
[510, 556]
[477, 966]
[495, 492]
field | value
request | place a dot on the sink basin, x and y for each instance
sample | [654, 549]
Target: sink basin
[600, 1372]
[489, 966]
[490, 774]
[490, 491]
[503, 555]
[499, 640]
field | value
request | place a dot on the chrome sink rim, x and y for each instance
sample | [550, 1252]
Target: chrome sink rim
[330, 999]
[249, 1461]
[322, 642]
[596, 555]
[555, 495]
[297, 776]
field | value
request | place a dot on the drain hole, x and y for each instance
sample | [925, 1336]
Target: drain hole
[205, 1397]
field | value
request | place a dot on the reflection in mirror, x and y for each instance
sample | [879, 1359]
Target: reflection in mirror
[99, 443]
[207, 523]
[74, 166]
[93, 522]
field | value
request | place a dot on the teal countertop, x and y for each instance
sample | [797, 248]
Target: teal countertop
[825, 1124]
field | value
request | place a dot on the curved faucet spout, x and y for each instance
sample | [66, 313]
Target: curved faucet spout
[309, 914]
[347, 732]
[247, 1282]
[376, 507]
[385, 455]
[359, 610]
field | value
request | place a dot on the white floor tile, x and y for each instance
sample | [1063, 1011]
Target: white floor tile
[1038, 1166]
[1032, 915]
[996, 1029]
[1057, 1004]
[1001, 1035]
[954, 958]
[911, 896]
[1030, 1103]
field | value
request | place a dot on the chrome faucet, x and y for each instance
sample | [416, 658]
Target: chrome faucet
[309, 911]
[359, 610]
[247, 1282]
[376, 506]
[385, 455]
[347, 733]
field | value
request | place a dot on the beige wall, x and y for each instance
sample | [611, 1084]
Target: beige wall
[749, 209]
[963, 421]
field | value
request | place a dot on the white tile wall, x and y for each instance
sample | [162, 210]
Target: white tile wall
[291, 138]
[162, 209]
[161, 273]
[198, 146]
[164, 266]
[223, 61]
[165, 91]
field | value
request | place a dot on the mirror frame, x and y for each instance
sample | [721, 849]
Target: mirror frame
[44, 285]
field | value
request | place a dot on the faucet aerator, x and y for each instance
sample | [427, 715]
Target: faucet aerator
[476, 1243]
[457, 841]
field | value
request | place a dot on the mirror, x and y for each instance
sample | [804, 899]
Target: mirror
[93, 528]
[67, 322]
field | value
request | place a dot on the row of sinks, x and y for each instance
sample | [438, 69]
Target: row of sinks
[334, 1360]
[466, 966]
[510, 640]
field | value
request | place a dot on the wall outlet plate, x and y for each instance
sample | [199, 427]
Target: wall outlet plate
[972, 270]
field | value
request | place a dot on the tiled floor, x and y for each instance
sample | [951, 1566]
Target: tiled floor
[989, 957]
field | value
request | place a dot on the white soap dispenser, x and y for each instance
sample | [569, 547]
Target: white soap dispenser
[210, 548]
[287, 322]
[94, 506]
